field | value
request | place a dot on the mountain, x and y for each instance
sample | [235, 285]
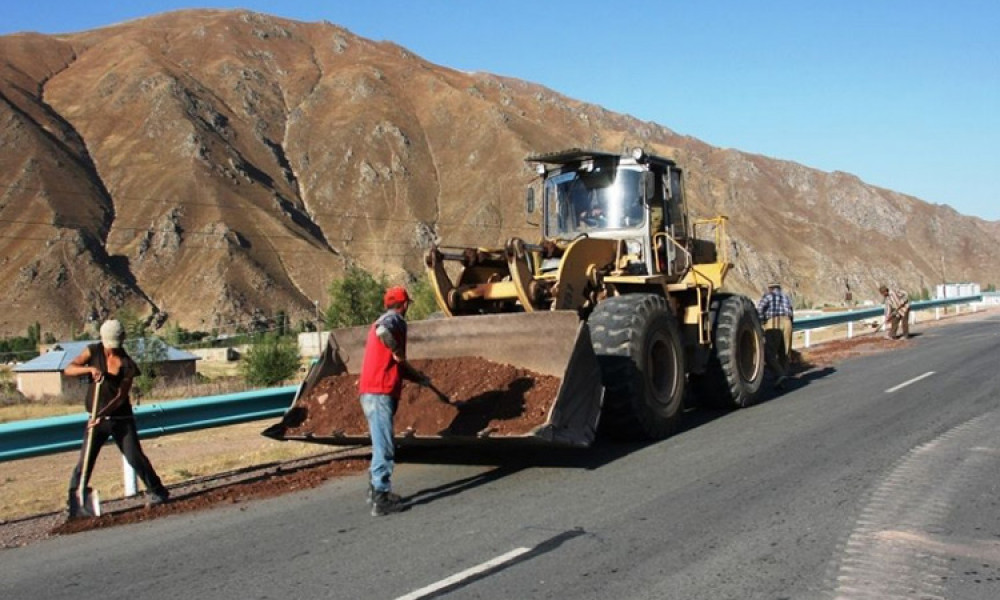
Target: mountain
[217, 167]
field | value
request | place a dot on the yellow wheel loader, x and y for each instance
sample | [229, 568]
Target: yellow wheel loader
[619, 298]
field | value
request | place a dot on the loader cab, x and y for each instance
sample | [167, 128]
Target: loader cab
[594, 200]
[636, 198]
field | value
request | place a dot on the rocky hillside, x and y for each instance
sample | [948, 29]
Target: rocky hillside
[214, 167]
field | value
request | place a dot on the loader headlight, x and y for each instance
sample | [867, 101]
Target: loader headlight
[634, 248]
[639, 155]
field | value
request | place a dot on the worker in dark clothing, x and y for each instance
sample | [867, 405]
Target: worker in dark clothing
[108, 363]
[776, 313]
[383, 369]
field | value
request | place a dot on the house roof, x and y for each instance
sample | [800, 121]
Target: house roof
[61, 354]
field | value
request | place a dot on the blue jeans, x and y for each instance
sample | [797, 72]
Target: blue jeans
[379, 410]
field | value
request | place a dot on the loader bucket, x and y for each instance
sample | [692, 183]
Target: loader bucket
[549, 389]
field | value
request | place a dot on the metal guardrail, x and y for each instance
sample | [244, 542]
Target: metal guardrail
[853, 316]
[37, 437]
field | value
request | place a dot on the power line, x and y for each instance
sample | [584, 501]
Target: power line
[229, 206]
[340, 244]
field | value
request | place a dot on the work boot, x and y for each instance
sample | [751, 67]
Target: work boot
[370, 496]
[160, 496]
[386, 503]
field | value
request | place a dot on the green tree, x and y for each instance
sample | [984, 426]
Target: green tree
[423, 304]
[356, 299]
[270, 361]
[281, 323]
[35, 333]
[149, 352]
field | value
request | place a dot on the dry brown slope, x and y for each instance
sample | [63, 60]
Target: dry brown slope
[222, 165]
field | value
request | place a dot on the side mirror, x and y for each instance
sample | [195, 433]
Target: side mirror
[529, 208]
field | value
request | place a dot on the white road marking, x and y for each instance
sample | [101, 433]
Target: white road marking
[906, 383]
[466, 574]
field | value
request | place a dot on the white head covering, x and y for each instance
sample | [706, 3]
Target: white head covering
[112, 334]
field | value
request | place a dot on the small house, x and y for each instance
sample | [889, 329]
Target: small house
[43, 376]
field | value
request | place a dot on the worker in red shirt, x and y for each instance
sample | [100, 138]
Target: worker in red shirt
[383, 369]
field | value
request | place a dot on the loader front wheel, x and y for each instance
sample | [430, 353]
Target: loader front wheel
[638, 348]
[735, 370]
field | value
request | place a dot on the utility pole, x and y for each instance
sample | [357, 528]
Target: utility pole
[319, 334]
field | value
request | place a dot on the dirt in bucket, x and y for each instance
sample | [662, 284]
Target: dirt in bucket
[483, 396]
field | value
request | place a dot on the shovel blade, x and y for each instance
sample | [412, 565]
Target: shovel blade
[88, 503]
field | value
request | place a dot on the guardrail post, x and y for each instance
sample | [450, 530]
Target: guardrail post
[850, 330]
[129, 474]
[806, 338]
[937, 313]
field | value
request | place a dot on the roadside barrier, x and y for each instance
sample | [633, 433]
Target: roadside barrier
[852, 317]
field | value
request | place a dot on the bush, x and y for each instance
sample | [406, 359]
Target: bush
[270, 361]
[356, 299]
[148, 353]
[423, 304]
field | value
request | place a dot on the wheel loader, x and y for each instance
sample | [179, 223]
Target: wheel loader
[620, 298]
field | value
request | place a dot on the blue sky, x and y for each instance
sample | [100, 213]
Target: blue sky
[904, 94]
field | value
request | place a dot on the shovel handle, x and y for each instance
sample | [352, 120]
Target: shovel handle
[441, 395]
[88, 442]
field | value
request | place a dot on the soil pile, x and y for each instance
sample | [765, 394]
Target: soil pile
[483, 397]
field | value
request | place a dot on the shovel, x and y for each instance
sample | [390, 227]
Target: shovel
[88, 500]
[441, 395]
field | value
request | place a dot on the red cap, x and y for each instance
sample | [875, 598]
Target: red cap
[395, 295]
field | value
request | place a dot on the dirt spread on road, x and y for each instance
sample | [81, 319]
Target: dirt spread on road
[834, 351]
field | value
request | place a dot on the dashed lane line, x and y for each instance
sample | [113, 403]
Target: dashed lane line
[466, 574]
[906, 383]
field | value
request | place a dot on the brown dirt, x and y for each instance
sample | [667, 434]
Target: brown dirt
[834, 351]
[240, 487]
[483, 395]
[233, 487]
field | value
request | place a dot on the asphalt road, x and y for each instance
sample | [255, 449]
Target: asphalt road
[877, 478]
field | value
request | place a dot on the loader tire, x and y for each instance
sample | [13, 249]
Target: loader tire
[735, 369]
[638, 348]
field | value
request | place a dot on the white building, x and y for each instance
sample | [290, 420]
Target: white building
[956, 290]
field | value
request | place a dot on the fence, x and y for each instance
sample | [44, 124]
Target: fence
[850, 318]
[36, 437]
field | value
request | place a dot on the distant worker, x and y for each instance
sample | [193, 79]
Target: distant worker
[383, 369]
[107, 363]
[775, 309]
[897, 312]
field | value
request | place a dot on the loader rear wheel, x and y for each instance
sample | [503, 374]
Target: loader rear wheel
[735, 369]
[638, 348]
